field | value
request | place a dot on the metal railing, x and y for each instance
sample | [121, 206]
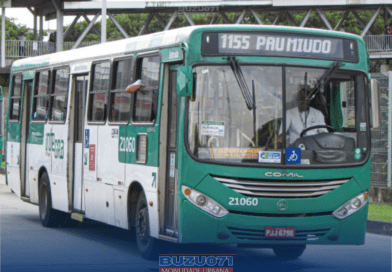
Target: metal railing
[17, 49]
[378, 43]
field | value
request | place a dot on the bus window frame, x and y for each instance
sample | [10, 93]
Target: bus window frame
[280, 166]
[136, 70]
[52, 85]
[14, 121]
[112, 76]
[91, 84]
[37, 96]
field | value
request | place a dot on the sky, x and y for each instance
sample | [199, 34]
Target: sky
[23, 16]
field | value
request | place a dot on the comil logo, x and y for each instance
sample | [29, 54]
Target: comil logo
[196, 263]
[282, 175]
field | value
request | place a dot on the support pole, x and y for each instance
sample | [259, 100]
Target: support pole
[256, 17]
[188, 18]
[369, 24]
[146, 24]
[125, 34]
[227, 20]
[337, 27]
[3, 37]
[93, 27]
[290, 18]
[171, 21]
[324, 18]
[71, 26]
[35, 25]
[276, 21]
[242, 15]
[306, 18]
[41, 28]
[59, 34]
[160, 20]
[390, 12]
[90, 25]
[103, 22]
[389, 146]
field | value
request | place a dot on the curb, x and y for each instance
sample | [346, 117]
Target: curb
[379, 227]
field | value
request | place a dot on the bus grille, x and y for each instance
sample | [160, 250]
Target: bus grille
[258, 235]
[281, 188]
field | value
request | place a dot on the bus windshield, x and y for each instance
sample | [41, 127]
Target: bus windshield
[325, 117]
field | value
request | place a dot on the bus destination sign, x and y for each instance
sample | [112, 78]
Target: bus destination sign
[280, 45]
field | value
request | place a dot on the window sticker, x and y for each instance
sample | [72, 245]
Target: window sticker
[213, 128]
[357, 154]
[91, 165]
[270, 157]
[305, 161]
[293, 155]
[172, 164]
[362, 126]
[229, 153]
[87, 138]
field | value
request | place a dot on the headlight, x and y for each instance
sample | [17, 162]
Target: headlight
[204, 202]
[351, 206]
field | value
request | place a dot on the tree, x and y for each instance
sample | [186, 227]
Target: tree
[13, 31]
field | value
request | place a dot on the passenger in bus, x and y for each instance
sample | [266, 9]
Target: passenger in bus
[300, 118]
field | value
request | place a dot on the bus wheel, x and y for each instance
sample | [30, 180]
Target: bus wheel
[146, 244]
[289, 252]
[47, 215]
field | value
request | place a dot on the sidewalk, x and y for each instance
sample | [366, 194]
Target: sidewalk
[373, 226]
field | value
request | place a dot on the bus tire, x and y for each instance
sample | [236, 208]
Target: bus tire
[147, 245]
[47, 215]
[289, 252]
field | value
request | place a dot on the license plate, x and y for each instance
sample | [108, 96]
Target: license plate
[285, 232]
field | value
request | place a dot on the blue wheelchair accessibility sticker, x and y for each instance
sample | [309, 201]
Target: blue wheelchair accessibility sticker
[293, 155]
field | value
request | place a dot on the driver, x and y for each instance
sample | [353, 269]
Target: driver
[302, 117]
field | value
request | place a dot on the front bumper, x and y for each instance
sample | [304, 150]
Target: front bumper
[197, 226]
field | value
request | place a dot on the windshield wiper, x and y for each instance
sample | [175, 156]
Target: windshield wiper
[241, 82]
[320, 82]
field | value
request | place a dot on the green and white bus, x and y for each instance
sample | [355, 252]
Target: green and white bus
[184, 135]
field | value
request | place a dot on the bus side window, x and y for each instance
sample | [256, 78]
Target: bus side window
[99, 92]
[59, 95]
[146, 99]
[40, 100]
[15, 98]
[120, 100]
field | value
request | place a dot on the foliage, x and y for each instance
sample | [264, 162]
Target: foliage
[13, 31]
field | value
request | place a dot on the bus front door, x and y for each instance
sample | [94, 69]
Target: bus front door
[76, 129]
[24, 135]
[169, 121]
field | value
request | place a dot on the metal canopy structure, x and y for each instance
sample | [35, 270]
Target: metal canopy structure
[282, 9]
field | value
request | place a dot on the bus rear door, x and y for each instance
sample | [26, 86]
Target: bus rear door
[24, 135]
[75, 164]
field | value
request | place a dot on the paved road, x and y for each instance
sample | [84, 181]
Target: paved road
[27, 246]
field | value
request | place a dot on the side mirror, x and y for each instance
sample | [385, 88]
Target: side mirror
[137, 85]
[184, 81]
[375, 103]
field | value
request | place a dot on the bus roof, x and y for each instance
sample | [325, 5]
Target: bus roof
[149, 42]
